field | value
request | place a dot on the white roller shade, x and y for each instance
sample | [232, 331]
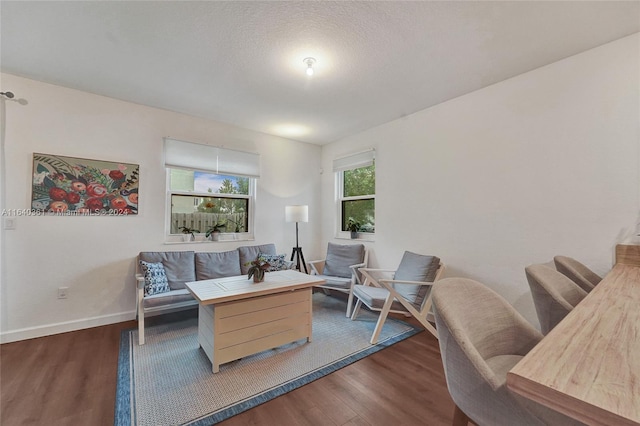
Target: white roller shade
[354, 161]
[189, 155]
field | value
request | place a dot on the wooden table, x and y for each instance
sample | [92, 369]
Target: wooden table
[238, 318]
[588, 366]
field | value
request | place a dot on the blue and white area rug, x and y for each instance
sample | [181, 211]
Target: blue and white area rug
[168, 380]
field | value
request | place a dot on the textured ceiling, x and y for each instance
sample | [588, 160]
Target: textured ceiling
[242, 62]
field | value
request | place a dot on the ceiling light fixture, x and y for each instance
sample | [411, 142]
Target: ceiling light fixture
[309, 62]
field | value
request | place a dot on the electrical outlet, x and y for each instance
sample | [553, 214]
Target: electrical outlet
[63, 292]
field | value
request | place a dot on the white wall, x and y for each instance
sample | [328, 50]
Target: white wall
[542, 164]
[95, 256]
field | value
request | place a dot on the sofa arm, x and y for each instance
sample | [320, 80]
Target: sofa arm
[140, 281]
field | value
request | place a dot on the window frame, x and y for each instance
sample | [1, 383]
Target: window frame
[248, 235]
[340, 199]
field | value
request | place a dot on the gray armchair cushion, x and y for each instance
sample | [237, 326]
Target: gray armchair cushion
[340, 257]
[212, 265]
[178, 265]
[249, 253]
[375, 297]
[416, 267]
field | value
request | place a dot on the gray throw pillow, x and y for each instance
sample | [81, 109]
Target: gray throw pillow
[416, 267]
[340, 257]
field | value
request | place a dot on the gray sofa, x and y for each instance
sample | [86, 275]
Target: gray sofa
[185, 266]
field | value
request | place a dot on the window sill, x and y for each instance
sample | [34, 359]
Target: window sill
[201, 239]
[363, 236]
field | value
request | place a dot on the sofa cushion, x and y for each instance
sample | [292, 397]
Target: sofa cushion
[179, 266]
[416, 267]
[250, 253]
[155, 278]
[169, 298]
[276, 261]
[340, 257]
[212, 265]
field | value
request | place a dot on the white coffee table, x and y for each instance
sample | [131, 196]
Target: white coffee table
[238, 317]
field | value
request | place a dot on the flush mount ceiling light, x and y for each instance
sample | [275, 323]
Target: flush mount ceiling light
[309, 61]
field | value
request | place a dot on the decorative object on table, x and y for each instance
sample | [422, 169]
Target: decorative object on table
[353, 226]
[78, 186]
[214, 230]
[189, 233]
[152, 391]
[257, 269]
[297, 214]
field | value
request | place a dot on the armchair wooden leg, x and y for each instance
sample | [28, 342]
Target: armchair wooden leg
[350, 304]
[381, 319]
[356, 309]
[459, 417]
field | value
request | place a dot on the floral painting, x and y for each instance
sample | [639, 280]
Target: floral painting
[67, 185]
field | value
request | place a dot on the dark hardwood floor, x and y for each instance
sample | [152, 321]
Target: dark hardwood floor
[70, 379]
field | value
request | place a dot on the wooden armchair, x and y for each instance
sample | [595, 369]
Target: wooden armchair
[340, 268]
[406, 290]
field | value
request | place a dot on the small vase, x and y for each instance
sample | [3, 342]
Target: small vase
[258, 276]
[354, 235]
[187, 237]
[215, 236]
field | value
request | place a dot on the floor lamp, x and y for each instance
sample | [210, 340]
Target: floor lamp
[297, 214]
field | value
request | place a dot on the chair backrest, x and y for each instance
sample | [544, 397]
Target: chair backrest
[340, 257]
[554, 295]
[178, 265]
[416, 267]
[481, 337]
[577, 272]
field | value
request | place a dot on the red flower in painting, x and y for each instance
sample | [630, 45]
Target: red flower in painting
[96, 190]
[94, 204]
[78, 186]
[116, 174]
[57, 194]
[118, 203]
[133, 198]
[73, 197]
[58, 206]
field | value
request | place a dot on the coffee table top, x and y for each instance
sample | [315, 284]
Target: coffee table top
[219, 290]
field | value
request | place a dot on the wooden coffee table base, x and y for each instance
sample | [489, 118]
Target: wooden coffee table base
[231, 330]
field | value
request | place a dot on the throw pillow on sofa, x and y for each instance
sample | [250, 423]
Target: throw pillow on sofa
[276, 261]
[155, 278]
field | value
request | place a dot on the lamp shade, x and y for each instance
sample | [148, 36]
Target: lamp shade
[296, 213]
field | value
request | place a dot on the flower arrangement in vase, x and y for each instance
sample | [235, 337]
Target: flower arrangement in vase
[257, 269]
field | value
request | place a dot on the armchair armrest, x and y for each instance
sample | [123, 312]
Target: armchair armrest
[317, 266]
[408, 282]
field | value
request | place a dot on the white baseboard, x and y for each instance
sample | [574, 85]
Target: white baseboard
[63, 327]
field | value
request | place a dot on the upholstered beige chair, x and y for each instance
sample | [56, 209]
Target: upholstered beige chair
[554, 295]
[481, 338]
[579, 273]
[340, 268]
[406, 290]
